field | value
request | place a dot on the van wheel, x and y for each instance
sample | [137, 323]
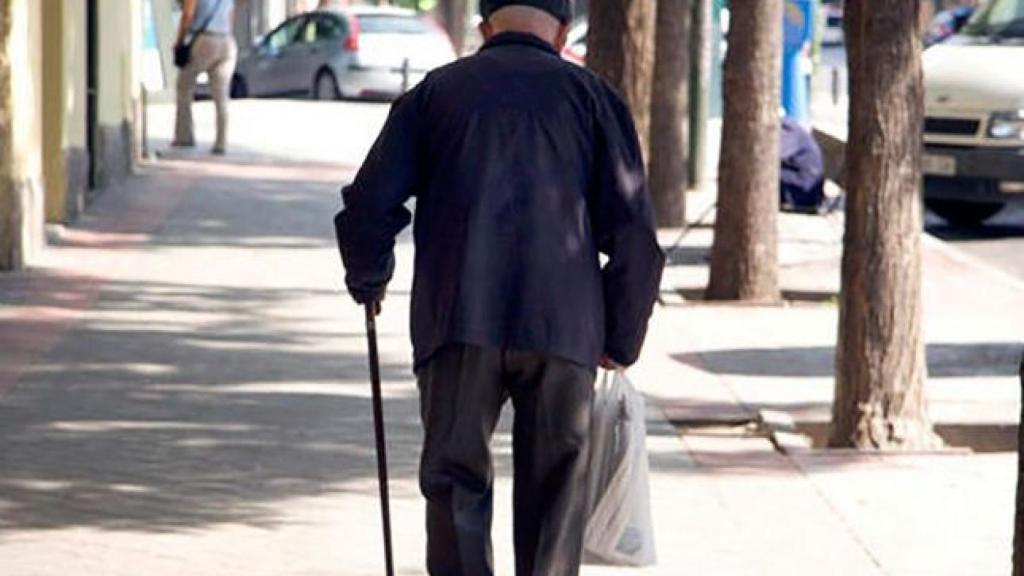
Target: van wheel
[325, 87]
[964, 214]
[239, 89]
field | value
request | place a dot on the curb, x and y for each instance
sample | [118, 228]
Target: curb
[962, 257]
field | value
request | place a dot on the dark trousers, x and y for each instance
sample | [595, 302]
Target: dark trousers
[462, 390]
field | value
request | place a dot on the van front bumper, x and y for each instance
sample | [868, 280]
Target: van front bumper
[973, 173]
[974, 162]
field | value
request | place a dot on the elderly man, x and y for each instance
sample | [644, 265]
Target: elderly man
[525, 168]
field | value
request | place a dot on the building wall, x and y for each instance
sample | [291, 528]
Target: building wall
[65, 157]
[120, 78]
[21, 172]
[44, 135]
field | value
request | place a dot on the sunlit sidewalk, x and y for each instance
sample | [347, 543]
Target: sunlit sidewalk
[183, 390]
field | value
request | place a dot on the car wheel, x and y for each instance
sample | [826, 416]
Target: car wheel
[960, 213]
[325, 87]
[239, 89]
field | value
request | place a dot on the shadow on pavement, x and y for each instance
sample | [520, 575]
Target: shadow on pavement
[1007, 224]
[200, 413]
[267, 210]
[944, 360]
[981, 438]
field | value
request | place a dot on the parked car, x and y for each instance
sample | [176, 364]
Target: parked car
[358, 52]
[974, 124]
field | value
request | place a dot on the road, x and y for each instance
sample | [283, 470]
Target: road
[1000, 242]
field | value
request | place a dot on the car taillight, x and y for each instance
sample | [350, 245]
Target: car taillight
[351, 43]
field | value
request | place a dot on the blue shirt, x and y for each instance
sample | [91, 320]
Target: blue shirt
[220, 22]
[525, 167]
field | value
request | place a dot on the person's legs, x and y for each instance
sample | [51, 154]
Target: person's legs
[461, 396]
[220, 84]
[184, 135]
[552, 400]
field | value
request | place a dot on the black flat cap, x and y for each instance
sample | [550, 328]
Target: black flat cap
[561, 9]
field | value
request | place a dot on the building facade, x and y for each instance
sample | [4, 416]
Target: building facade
[70, 86]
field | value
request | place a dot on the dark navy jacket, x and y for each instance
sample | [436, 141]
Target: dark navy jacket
[524, 168]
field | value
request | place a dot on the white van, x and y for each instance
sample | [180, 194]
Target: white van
[974, 116]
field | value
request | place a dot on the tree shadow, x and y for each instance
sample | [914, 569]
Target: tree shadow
[160, 424]
[1005, 225]
[947, 360]
[218, 212]
[687, 255]
[985, 438]
[789, 297]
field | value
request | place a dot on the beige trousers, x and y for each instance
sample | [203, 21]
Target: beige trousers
[215, 55]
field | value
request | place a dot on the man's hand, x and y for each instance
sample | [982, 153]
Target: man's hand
[608, 364]
[364, 299]
[377, 303]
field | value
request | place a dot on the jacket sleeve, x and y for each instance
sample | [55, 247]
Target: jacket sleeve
[624, 230]
[374, 209]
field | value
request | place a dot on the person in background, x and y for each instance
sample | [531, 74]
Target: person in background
[947, 23]
[525, 168]
[207, 24]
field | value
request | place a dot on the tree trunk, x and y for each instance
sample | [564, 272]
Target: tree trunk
[700, 85]
[744, 255]
[9, 222]
[670, 113]
[1018, 531]
[620, 48]
[880, 362]
[453, 16]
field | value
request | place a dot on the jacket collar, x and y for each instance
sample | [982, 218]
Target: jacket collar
[520, 38]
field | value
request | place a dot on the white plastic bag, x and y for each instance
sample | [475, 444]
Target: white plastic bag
[619, 530]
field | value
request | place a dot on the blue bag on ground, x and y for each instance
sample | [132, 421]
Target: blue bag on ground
[802, 175]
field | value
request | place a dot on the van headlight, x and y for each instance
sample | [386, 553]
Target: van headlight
[1007, 125]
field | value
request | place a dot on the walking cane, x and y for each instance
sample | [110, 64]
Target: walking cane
[378, 424]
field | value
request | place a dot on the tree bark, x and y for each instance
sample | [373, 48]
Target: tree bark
[9, 222]
[880, 362]
[744, 255]
[700, 83]
[620, 48]
[1018, 531]
[670, 113]
[453, 16]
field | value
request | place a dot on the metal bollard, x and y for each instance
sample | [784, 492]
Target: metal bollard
[835, 85]
[405, 76]
[144, 121]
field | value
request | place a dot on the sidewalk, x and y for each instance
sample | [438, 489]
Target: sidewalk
[183, 391]
[835, 512]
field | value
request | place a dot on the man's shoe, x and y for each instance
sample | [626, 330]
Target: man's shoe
[183, 143]
[219, 151]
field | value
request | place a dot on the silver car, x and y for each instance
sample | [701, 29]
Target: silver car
[359, 52]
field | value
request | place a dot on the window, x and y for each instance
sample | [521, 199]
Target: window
[387, 24]
[1001, 19]
[285, 35]
[308, 33]
[329, 29]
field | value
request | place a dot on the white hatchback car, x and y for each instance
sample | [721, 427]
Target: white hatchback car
[359, 52]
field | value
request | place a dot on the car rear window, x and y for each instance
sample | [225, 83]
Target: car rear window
[388, 24]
